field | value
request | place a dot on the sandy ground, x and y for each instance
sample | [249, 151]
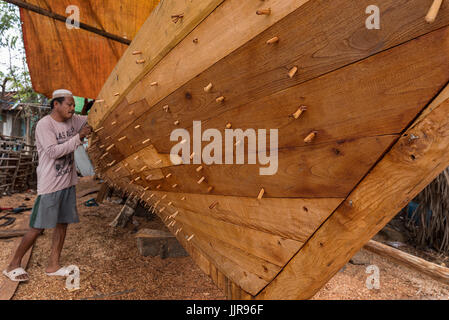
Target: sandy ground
[112, 268]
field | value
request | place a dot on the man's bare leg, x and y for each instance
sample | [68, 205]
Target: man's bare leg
[56, 248]
[27, 241]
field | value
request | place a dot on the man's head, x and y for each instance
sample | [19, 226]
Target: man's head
[63, 104]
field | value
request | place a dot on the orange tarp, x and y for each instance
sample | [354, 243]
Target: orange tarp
[77, 59]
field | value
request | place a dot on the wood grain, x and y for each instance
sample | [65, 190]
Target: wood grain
[410, 165]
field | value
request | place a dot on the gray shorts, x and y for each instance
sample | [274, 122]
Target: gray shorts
[53, 208]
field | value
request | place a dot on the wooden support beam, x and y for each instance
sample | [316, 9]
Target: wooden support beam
[431, 269]
[58, 17]
[369, 207]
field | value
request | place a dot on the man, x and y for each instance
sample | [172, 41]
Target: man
[57, 137]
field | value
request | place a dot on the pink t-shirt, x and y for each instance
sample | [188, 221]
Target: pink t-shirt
[56, 143]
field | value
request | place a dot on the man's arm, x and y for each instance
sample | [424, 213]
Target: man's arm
[50, 145]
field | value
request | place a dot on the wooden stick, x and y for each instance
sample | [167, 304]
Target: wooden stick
[298, 113]
[310, 137]
[135, 53]
[213, 205]
[263, 12]
[122, 138]
[141, 61]
[111, 164]
[261, 193]
[273, 40]
[137, 127]
[174, 186]
[433, 11]
[201, 180]
[113, 123]
[153, 84]
[199, 168]
[191, 237]
[143, 168]
[146, 141]
[292, 72]
[104, 155]
[176, 122]
[208, 87]
[220, 99]
[99, 129]
[210, 189]
[110, 147]
[431, 269]
[168, 175]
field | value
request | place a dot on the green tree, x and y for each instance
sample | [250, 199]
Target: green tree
[16, 78]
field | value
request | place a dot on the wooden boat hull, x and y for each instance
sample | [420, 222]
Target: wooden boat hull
[346, 165]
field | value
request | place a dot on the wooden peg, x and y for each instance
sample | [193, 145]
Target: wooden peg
[201, 180]
[209, 190]
[132, 170]
[183, 198]
[158, 162]
[162, 210]
[176, 17]
[191, 237]
[168, 175]
[433, 11]
[195, 40]
[116, 94]
[131, 113]
[170, 203]
[110, 147]
[266, 12]
[146, 188]
[166, 108]
[174, 186]
[208, 87]
[298, 113]
[273, 40]
[175, 214]
[135, 53]
[104, 155]
[143, 168]
[192, 155]
[146, 141]
[176, 122]
[310, 137]
[158, 186]
[99, 101]
[107, 138]
[154, 84]
[118, 169]
[148, 177]
[177, 231]
[136, 158]
[213, 205]
[101, 147]
[99, 129]
[229, 126]
[113, 123]
[152, 195]
[140, 61]
[137, 179]
[199, 168]
[292, 72]
[122, 138]
[111, 164]
[261, 193]
[220, 99]
[157, 202]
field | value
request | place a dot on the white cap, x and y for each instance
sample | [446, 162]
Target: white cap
[62, 93]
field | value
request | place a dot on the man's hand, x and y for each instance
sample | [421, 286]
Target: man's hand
[85, 131]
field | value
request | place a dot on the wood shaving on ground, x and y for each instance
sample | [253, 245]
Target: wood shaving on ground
[112, 269]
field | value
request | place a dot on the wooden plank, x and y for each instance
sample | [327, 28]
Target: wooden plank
[325, 170]
[372, 101]
[410, 165]
[5, 234]
[263, 245]
[156, 38]
[263, 69]
[294, 219]
[431, 269]
[7, 287]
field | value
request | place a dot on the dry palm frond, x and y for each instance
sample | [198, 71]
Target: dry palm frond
[429, 223]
